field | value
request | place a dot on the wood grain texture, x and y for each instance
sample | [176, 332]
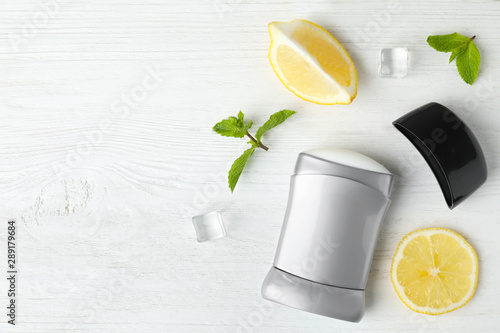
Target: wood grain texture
[103, 163]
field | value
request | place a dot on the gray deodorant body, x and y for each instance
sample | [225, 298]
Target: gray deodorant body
[337, 202]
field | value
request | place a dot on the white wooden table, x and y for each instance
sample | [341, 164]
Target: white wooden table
[107, 151]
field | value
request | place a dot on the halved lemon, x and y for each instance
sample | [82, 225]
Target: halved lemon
[311, 63]
[434, 271]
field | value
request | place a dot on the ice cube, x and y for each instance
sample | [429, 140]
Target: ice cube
[393, 62]
[209, 226]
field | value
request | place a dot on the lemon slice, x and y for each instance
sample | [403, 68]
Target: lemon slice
[434, 271]
[311, 63]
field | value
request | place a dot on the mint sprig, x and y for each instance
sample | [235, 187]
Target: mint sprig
[236, 127]
[463, 49]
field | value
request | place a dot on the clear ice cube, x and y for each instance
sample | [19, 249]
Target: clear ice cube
[209, 226]
[393, 62]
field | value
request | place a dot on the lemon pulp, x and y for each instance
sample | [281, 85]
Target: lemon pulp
[434, 271]
[311, 63]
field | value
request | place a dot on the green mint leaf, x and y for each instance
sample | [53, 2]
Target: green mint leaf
[276, 119]
[468, 63]
[237, 168]
[242, 124]
[447, 43]
[458, 51]
[240, 118]
[233, 127]
[229, 127]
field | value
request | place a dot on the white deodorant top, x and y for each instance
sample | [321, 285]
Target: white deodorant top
[348, 157]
